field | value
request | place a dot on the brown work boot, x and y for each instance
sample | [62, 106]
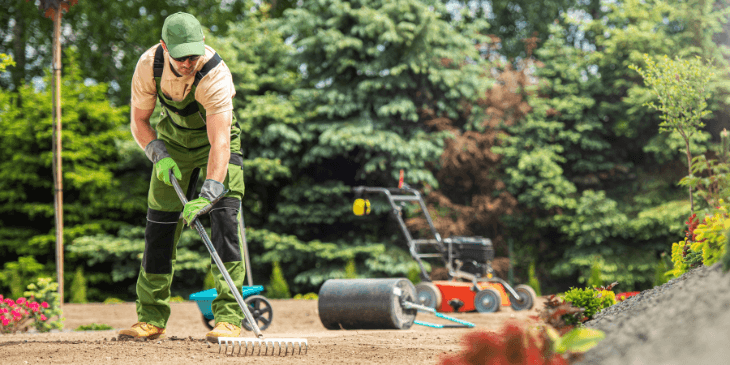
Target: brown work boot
[142, 330]
[223, 329]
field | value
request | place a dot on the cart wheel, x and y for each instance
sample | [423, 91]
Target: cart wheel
[209, 322]
[487, 301]
[428, 295]
[261, 310]
[527, 298]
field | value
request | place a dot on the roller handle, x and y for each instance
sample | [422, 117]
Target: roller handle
[217, 260]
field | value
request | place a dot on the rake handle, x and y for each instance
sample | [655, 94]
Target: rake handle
[214, 254]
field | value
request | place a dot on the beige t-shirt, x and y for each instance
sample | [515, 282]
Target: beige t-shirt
[215, 91]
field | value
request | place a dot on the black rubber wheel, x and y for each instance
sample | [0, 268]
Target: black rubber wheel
[428, 295]
[209, 322]
[527, 298]
[261, 310]
[487, 301]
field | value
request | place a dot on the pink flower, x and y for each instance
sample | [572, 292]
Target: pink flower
[43, 317]
[9, 302]
[3, 310]
[21, 301]
[6, 321]
[44, 305]
[1, 297]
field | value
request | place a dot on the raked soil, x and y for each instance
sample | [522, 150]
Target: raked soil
[686, 321]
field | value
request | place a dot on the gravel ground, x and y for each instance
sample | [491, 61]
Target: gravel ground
[685, 321]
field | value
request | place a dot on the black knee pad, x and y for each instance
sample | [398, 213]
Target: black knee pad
[224, 229]
[159, 241]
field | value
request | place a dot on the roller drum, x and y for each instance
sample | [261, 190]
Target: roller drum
[366, 304]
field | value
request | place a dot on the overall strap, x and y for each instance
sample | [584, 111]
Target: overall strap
[212, 62]
[159, 65]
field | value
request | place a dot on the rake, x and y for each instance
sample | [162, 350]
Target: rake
[253, 343]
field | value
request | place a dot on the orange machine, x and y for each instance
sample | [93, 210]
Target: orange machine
[472, 285]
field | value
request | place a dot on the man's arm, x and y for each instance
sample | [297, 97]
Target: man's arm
[142, 131]
[219, 136]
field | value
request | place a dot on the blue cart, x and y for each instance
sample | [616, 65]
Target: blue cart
[257, 304]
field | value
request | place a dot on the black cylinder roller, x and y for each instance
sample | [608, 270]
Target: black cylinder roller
[366, 304]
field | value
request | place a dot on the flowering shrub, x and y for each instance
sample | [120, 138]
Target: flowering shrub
[591, 299]
[704, 244]
[19, 315]
[46, 290]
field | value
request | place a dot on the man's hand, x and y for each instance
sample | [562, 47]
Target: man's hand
[193, 208]
[212, 191]
[163, 162]
[162, 170]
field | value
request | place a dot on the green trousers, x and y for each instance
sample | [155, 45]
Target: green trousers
[164, 225]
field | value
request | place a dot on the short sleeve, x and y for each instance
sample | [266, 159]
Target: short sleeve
[215, 91]
[144, 90]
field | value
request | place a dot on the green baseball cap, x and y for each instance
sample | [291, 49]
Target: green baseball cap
[183, 35]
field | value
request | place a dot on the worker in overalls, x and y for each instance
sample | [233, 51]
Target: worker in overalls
[196, 133]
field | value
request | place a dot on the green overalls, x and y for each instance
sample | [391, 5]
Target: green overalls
[182, 128]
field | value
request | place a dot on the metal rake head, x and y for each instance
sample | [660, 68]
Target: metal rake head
[289, 345]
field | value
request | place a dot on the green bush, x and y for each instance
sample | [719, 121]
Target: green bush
[278, 288]
[590, 299]
[112, 300]
[94, 327]
[532, 280]
[308, 296]
[78, 287]
[46, 290]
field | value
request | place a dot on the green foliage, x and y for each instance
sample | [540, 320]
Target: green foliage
[177, 299]
[578, 340]
[113, 300]
[46, 290]
[350, 269]
[16, 274]
[100, 186]
[278, 288]
[532, 280]
[308, 296]
[5, 61]
[94, 327]
[711, 239]
[590, 299]
[681, 86]
[209, 281]
[660, 271]
[78, 287]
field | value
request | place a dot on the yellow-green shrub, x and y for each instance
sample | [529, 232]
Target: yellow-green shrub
[712, 237]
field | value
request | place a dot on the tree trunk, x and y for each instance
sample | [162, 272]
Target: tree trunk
[689, 169]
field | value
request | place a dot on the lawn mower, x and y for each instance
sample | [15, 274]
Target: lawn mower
[472, 284]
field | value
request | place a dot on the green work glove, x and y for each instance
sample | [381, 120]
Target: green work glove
[162, 170]
[157, 153]
[211, 191]
[193, 208]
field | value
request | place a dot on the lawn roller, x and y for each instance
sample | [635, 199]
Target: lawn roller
[374, 304]
[472, 284]
[252, 343]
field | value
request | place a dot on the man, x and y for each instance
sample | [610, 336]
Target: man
[196, 132]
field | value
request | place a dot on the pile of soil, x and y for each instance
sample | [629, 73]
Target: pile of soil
[685, 321]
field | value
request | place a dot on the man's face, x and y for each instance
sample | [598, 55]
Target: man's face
[186, 67]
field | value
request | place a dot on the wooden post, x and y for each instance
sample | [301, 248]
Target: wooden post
[57, 170]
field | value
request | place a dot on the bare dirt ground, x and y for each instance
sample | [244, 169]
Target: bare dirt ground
[185, 342]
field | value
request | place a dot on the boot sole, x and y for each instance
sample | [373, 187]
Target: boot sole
[148, 338]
